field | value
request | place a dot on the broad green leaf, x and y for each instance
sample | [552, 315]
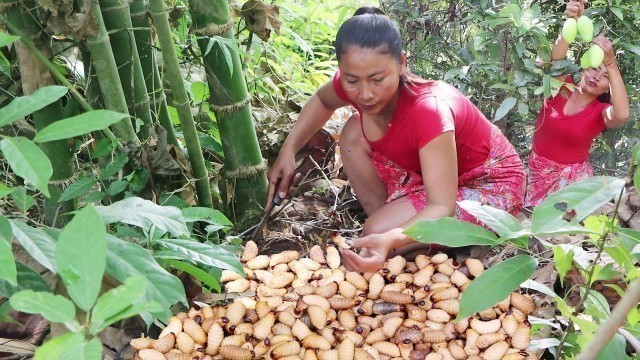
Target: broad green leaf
[5, 190]
[629, 238]
[113, 304]
[54, 348]
[28, 279]
[25, 105]
[199, 91]
[125, 260]
[84, 350]
[636, 178]
[22, 199]
[563, 261]
[171, 255]
[79, 125]
[575, 202]
[606, 272]
[117, 187]
[118, 162]
[497, 220]
[615, 350]
[617, 12]
[506, 105]
[197, 273]
[8, 270]
[624, 259]
[207, 254]
[145, 214]
[27, 161]
[38, 244]
[81, 256]
[208, 215]
[596, 305]
[450, 232]
[77, 189]
[495, 284]
[6, 39]
[55, 308]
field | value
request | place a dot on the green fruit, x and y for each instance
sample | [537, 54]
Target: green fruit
[585, 62]
[585, 28]
[570, 30]
[596, 55]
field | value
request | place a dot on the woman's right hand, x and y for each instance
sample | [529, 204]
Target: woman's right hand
[281, 174]
[574, 9]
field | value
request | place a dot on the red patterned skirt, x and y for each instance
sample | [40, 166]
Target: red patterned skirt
[499, 182]
[547, 176]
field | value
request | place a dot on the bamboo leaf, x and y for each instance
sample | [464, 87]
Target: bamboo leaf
[54, 348]
[55, 308]
[506, 105]
[8, 270]
[495, 284]
[498, 220]
[562, 211]
[197, 273]
[145, 214]
[27, 161]
[207, 254]
[81, 256]
[6, 39]
[450, 232]
[125, 260]
[79, 125]
[37, 243]
[28, 279]
[77, 189]
[25, 105]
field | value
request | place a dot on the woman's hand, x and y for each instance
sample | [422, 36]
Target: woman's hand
[281, 174]
[574, 9]
[374, 250]
[607, 47]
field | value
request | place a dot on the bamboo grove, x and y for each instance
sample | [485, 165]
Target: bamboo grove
[131, 66]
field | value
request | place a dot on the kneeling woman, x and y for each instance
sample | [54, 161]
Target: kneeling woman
[415, 147]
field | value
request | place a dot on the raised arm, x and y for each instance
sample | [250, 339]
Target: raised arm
[313, 116]
[616, 115]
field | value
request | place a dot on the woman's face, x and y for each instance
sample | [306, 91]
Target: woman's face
[595, 81]
[370, 78]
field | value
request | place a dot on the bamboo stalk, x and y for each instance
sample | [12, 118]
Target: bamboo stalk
[231, 102]
[117, 20]
[161, 22]
[147, 55]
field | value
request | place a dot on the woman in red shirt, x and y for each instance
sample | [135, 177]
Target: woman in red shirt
[570, 121]
[415, 147]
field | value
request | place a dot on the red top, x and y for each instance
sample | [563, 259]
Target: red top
[425, 111]
[567, 138]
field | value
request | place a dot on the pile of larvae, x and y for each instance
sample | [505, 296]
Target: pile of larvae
[313, 308]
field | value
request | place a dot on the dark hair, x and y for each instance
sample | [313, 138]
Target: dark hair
[605, 98]
[369, 28]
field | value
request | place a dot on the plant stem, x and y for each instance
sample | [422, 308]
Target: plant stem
[161, 21]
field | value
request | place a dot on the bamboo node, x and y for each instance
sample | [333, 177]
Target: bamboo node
[246, 172]
[228, 109]
[214, 29]
[121, 7]
[98, 40]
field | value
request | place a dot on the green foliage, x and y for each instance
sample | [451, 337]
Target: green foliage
[27, 161]
[79, 125]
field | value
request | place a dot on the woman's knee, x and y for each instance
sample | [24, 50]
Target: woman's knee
[351, 136]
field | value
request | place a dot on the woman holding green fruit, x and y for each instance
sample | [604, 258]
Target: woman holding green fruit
[570, 121]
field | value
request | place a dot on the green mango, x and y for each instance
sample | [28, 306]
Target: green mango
[570, 30]
[585, 28]
[585, 62]
[596, 55]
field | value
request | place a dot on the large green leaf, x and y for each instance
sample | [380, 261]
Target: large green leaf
[125, 260]
[145, 214]
[497, 220]
[28, 279]
[55, 308]
[631, 240]
[6, 39]
[450, 232]
[562, 211]
[8, 270]
[83, 350]
[506, 105]
[207, 254]
[197, 273]
[495, 284]
[77, 189]
[25, 105]
[208, 215]
[54, 348]
[5, 190]
[615, 350]
[79, 125]
[37, 243]
[81, 256]
[120, 303]
[27, 161]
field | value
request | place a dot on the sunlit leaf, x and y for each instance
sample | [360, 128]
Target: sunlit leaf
[497, 220]
[79, 125]
[25, 105]
[504, 108]
[84, 350]
[8, 270]
[563, 261]
[55, 308]
[27, 161]
[145, 214]
[450, 232]
[38, 244]
[206, 254]
[54, 348]
[6, 39]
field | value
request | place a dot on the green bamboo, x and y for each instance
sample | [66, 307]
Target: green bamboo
[117, 21]
[243, 163]
[108, 77]
[180, 97]
[147, 54]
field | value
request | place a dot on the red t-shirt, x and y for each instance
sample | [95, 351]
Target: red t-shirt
[567, 138]
[425, 112]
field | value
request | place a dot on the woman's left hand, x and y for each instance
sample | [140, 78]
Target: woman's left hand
[607, 47]
[374, 250]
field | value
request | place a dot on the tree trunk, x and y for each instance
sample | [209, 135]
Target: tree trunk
[244, 167]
